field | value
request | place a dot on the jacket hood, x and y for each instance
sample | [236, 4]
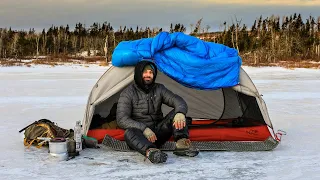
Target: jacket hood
[138, 71]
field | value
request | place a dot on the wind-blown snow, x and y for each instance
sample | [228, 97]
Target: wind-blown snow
[60, 94]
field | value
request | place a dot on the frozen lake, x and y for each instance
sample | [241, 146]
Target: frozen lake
[60, 94]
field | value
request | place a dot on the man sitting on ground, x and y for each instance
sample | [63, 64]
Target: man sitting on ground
[139, 113]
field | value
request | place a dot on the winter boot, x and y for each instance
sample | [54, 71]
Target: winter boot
[183, 148]
[156, 156]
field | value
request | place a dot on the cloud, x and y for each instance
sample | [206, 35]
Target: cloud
[266, 2]
[25, 14]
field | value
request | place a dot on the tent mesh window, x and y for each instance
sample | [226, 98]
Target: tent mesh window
[241, 108]
[250, 108]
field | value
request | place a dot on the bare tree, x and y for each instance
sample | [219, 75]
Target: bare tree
[74, 44]
[237, 28]
[207, 28]
[318, 31]
[114, 39]
[60, 35]
[271, 27]
[54, 45]
[191, 27]
[106, 48]
[15, 45]
[148, 29]
[1, 37]
[66, 40]
[197, 29]
[44, 43]
[37, 43]
[232, 29]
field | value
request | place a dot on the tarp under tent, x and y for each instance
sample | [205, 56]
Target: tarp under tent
[231, 117]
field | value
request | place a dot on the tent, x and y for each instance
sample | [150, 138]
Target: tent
[225, 110]
[232, 118]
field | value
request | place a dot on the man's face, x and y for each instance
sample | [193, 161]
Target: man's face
[147, 76]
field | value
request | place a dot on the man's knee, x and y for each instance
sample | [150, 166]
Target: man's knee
[136, 140]
[131, 132]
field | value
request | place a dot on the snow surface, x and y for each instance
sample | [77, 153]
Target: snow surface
[60, 94]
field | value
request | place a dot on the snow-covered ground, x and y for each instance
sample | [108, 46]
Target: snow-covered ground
[60, 94]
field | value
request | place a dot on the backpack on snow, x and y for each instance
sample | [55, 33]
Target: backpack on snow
[37, 132]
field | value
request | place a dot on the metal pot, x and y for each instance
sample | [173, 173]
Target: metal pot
[58, 146]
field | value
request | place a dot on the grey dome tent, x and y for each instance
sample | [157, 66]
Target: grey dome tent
[241, 102]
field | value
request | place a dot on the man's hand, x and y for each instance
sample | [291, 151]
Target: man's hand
[150, 135]
[179, 121]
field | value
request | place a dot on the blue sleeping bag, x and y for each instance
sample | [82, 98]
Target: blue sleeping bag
[186, 59]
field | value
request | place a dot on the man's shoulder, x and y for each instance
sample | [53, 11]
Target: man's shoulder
[159, 85]
[128, 89]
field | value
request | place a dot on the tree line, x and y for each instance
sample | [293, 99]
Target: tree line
[268, 40]
[61, 41]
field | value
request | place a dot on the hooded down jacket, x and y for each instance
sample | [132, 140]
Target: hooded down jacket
[139, 106]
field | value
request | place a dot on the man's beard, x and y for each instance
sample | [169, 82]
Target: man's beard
[147, 81]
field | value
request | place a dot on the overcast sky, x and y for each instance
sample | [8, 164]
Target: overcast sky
[39, 14]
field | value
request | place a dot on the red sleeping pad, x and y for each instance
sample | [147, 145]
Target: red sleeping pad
[255, 133]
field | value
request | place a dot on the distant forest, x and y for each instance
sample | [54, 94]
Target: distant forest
[268, 40]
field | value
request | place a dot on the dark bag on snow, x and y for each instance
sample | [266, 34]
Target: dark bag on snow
[40, 131]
